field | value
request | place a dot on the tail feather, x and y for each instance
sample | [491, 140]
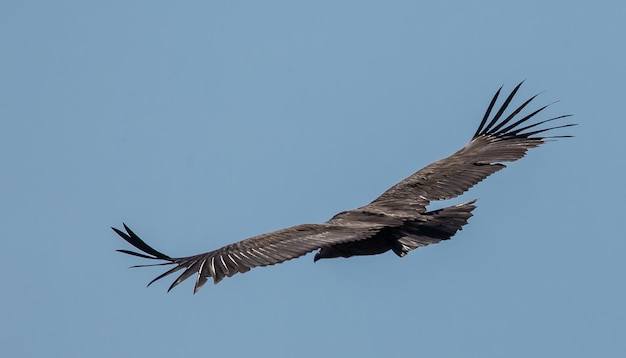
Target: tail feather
[441, 225]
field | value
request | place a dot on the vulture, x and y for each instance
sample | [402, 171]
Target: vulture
[398, 220]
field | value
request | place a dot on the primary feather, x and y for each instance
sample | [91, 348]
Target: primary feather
[397, 220]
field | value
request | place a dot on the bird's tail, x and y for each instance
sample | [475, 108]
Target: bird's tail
[440, 225]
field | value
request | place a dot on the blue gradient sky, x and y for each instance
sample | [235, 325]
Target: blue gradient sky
[205, 122]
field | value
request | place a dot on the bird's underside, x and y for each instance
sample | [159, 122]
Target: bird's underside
[397, 220]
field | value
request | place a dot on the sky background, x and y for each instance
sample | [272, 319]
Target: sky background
[202, 123]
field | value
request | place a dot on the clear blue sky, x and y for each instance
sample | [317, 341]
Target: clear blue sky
[205, 122]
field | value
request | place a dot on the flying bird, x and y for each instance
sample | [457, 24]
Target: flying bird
[398, 220]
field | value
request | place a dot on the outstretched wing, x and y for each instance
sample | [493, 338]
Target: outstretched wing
[262, 250]
[499, 139]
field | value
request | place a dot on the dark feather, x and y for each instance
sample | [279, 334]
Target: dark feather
[396, 221]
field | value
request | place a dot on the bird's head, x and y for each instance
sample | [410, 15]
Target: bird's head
[325, 253]
[318, 255]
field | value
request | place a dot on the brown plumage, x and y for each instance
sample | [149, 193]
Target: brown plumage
[397, 220]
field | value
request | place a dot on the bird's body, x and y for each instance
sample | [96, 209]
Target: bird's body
[397, 220]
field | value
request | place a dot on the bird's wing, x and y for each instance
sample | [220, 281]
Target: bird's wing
[262, 250]
[503, 138]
